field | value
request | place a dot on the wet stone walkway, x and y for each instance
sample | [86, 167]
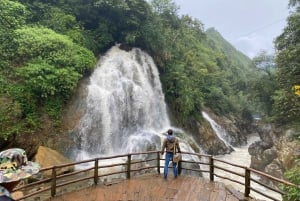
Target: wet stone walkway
[154, 188]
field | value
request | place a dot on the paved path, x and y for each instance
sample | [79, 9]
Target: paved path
[154, 188]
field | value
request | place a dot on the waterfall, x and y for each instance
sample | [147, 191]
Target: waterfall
[219, 131]
[125, 105]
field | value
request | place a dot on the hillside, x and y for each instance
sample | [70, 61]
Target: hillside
[228, 49]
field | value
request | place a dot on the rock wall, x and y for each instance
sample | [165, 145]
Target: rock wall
[206, 137]
[276, 152]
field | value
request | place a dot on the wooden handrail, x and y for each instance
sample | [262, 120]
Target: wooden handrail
[128, 164]
[273, 178]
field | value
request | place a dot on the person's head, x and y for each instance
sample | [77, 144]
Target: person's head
[170, 132]
[15, 166]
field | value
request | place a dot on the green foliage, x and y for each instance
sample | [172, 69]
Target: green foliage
[10, 115]
[286, 107]
[99, 39]
[46, 80]
[57, 49]
[286, 103]
[38, 66]
[264, 85]
[229, 85]
[12, 14]
[39, 42]
[164, 7]
[292, 193]
[53, 63]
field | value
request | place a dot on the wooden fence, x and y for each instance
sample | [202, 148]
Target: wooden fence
[143, 163]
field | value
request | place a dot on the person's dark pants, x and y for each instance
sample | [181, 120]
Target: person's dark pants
[169, 157]
[5, 198]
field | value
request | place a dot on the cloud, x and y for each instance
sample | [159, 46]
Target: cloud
[250, 26]
[253, 44]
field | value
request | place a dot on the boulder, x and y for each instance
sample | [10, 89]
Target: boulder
[277, 151]
[47, 157]
[275, 169]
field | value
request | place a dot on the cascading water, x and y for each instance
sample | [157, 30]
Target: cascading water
[219, 131]
[125, 105]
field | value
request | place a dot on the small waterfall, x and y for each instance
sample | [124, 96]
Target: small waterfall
[219, 131]
[125, 105]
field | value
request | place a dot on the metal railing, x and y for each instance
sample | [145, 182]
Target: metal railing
[142, 163]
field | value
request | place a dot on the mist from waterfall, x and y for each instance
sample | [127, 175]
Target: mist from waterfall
[125, 102]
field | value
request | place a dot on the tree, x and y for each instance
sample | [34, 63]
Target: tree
[164, 7]
[12, 14]
[287, 103]
[265, 83]
[53, 63]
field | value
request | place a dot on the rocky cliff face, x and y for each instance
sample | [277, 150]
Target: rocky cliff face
[276, 152]
[204, 134]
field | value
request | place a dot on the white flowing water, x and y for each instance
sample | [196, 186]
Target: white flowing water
[125, 102]
[219, 131]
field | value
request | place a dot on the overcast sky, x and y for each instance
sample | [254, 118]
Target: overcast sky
[250, 25]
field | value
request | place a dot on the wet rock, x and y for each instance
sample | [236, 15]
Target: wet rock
[276, 152]
[275, 169]
[265, 134]
[269, 155]
[210, 142]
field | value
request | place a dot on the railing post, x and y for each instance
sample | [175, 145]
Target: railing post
[53, 184]
[128, 166]
[158, 162]
[211, 168]
[96, 171]
[179, 167]
[247, 182]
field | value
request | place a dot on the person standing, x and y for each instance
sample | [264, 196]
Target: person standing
[168, 145]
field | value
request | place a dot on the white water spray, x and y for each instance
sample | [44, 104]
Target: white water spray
[125, 102]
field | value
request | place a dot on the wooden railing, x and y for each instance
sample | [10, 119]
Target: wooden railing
[129, 164]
